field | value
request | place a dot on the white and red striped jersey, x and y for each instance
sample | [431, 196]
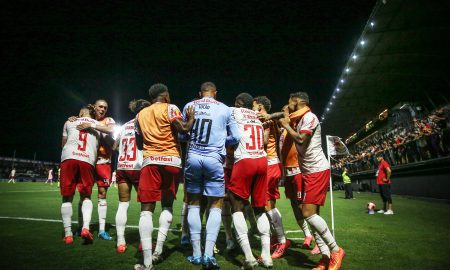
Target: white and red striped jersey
[130, 158]
[80, 145]
[251, 144]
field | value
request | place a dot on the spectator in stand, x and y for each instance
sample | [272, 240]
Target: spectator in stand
[347, 184]
[384, 184]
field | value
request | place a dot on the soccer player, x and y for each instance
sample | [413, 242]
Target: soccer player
[263, 105]
[249, 178]
[78, 158]
[129, 166]
[114, 178]
[50, 177]
[103, 165]
[315, 178]
[156, 133]
[12, 176]
[384, 184]
[59, 176]
[204, 169]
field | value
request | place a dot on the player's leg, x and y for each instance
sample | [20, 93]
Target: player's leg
[69, 175]
[383, 198]
[315, 185]
[184, 224]
[194, 188]
[103, 182]
[124, 190]
[388, 200]
[149, 193]
[226, 212]
[238, 193]
[87, 173]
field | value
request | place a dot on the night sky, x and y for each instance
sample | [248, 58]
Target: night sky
[60, 56]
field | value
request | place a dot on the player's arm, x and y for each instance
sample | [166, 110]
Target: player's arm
[138, 135]
[64, 135]
[301, 138]
[109, 129]
[272, 116]
[63, 141]
[266, 136]
[185, 126]
[233, 135]
[388, 174]
[115, 146]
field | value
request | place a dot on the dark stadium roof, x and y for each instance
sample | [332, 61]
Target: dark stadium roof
[405, 56]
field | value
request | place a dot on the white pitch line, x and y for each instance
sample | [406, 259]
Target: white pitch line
[296, 231]
[73, 222]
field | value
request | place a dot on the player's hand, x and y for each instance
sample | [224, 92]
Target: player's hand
[190, 112]
[263, 116]
[284, 121]
[385, 180]
[72, 118]
[84, 126]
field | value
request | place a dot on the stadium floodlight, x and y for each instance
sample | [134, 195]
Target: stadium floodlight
[342, 80]
[334, 97]
[354, 57]
[338, 89]
[362, 42]
[347, 70]
[331, 103]
[328, 109]
[372, 23]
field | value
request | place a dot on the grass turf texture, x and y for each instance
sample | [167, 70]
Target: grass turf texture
[416, 237]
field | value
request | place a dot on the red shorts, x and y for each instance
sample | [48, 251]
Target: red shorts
[227, 175]
[293, 187]
[249, 177]
[128, 176]
[273, 178]
[76, 173]
[103, 174]
[157, 181]
[315, 187]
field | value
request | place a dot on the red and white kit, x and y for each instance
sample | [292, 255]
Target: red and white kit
[129, 163]
[249, 175]
[78, 157]
[313, 163]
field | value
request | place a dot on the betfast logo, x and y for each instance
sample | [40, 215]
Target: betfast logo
[166, 159]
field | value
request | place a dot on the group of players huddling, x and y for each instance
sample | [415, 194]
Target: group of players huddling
[232, 154]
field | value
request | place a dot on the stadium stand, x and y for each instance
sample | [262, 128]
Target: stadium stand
[26, 169]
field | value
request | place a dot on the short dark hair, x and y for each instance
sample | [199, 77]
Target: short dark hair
[136, 105]
[301, 95]
[265, 101]
[247, 100]
[204, 87]
[156, 90]
[91, 110]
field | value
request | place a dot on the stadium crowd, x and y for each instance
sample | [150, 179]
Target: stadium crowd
[420, 139]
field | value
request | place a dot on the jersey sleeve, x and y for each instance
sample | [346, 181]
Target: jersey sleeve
[309, 123]
[64, 133]
[174, 113]
[136, 125]
[110, 121]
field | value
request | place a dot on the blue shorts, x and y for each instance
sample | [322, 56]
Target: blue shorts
[205, 175]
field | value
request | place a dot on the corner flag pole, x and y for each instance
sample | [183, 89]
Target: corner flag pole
[331, 189]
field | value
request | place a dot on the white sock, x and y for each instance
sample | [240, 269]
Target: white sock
[184, 223]
[165, 220]
[319, 225]
[264, 230]
[277, 223]
[86, 210]
[121, 222]
[212, 230]
[324, 250]
[195, 228]
[305, 228]
[66, 213]
[102, 207]
[242, 235]
[145, 231]
[226, 220]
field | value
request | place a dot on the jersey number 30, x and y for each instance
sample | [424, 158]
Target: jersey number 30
[257, 136]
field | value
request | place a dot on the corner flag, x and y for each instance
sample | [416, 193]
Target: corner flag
[336, 147]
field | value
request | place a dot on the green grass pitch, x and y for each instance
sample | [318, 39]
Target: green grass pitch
[416, 237]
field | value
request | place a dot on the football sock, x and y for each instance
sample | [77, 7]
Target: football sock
[184, 224]
[212, 230]
[102, 207]
[277, 223]
[145, 231]
[242, 235]
[264, 230]
[165, 220]
[121, 222]
[324, 250]
[86, 209]
[319, 225]
[195, 228]
[226, 219]
[305, 228]
[66, 213]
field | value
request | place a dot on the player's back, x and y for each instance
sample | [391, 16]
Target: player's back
[251, 144]
[209, 132]
[130, 158]
[80, 145]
